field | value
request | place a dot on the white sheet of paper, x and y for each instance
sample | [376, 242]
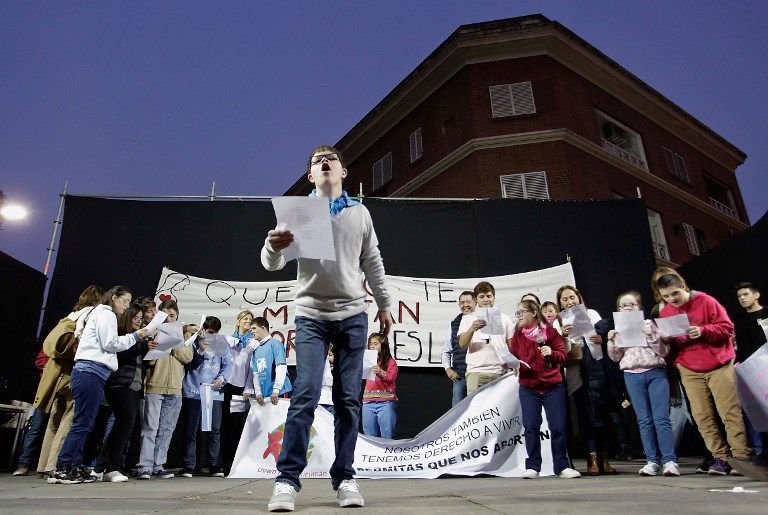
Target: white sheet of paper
[156, 354]
[206, 405]
[192, 338]
[238, 404]
[309, 220]
[582, 325]
[370, 358]
[170, 335]
[676, 325]
[158, 319]
[629, 325]
[217, 343]
[507, 357]
[492, 318]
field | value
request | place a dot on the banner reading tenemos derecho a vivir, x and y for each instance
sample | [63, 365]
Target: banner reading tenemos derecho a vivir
[481, 435]
[421, 307]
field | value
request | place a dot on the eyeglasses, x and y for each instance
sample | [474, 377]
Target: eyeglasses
[126, 302]
[330, 157]
[520, 313]
[629, 305]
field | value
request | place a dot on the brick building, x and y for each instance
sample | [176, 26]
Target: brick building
[524, 108]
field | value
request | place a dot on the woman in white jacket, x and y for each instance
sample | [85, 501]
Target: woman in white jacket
[95, 360]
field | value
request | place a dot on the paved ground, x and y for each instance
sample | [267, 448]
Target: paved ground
[624, 494]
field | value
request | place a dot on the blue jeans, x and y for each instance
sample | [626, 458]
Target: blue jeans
[161, 412]
[34, 438]
[553, 402]
[649, 393]
[379, 418]
[192, 409]
[459, 391]
[754, 436]
[349, 338]
[88, 391]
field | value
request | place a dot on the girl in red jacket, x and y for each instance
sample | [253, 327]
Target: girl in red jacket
[379, 397]
[542, 348]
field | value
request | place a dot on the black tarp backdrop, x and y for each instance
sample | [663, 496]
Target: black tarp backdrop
[21, 297]
[111, 242]
[741, 258]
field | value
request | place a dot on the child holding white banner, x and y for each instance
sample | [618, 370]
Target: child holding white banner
[331, 304]
[541, 351]
[206, 368]
[705, 359]
[648, 387]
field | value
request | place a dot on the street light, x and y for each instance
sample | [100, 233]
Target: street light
[12, 212]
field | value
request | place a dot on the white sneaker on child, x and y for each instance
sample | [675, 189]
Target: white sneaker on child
[530, 474]
[283, 497]
[348, 494]
[670, 469]
[650, 469]
[569, 473]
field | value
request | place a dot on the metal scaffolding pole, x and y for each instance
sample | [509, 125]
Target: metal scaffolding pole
[56, 224]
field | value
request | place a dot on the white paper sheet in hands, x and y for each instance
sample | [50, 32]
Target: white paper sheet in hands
[676, 325]
[582, 325]
[238, 404]
[370, 358]
[217, 343]
[192, 338]
[157, 320]
[206, 405]
[629, 325]
[309, 220]
[169, 335]
[506, 357]
[492, 318]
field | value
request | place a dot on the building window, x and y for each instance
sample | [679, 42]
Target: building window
[382, 171]
[512, 99]
[532, 185]
[695, 239]
[676, 165]
[657, 235]
[417, 147]
[621, 141]
[720, 197]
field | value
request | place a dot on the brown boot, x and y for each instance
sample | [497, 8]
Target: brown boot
[604, 466]
[592, 468]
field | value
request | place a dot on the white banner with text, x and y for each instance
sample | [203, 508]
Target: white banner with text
[422, 307]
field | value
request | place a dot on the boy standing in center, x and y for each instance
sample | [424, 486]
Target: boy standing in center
[330, 308]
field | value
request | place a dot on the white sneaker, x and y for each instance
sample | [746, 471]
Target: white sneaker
[283, 497]
[650, 469]
[530, 474]
[569, 473]
[348, 494]
[113, 477]
[670, 469]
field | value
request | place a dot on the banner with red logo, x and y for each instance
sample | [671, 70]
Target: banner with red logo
[421, 307]
[481, 435]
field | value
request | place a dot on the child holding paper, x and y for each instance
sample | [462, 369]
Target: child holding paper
[162, 402]
[269, 369]
[705, 360]
[205, 368]
[646, 380]
[379, 397]
[331, 304]
[541, 386]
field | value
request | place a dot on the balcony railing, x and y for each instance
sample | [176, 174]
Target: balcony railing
[624, 155]
[726, 210]
[660, 250]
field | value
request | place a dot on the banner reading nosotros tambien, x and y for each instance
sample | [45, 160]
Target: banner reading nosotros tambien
[481, 435]
[421, 307]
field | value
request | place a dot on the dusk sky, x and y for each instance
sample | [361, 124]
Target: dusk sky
[166, 97]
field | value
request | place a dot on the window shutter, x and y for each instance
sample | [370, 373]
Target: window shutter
[501, 101]
[532, 185]
[682, 173]
[676, 165]
[522, 98]
[382, 171]
[416, 145]
[669, 157]
[690, 238]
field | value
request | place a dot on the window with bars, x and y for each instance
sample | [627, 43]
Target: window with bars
[416, 145]
[512, 99]
[676, 165]
[692, 239]
[531, 185]
[382, 171]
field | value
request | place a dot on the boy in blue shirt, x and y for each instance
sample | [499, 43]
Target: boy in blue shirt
[268, 366]
[205, 367]
[330, 308]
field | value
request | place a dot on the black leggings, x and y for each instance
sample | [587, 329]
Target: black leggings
[125, 404]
